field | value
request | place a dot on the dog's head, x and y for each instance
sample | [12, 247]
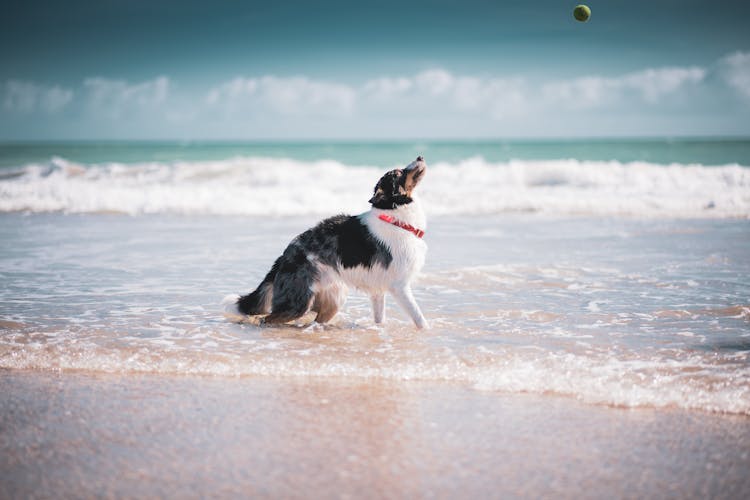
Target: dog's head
[395, 188]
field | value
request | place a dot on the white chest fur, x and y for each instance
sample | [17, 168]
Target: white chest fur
[406, 249]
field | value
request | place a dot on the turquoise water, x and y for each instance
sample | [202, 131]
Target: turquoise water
[385, 154]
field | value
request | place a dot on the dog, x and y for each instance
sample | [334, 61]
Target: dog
[378, 251]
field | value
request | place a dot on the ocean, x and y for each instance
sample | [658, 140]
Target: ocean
[616, 272]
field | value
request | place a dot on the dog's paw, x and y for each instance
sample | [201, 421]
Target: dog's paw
[422, 324]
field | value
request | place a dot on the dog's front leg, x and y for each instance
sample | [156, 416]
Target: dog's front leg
[378, 307]
[405, 298]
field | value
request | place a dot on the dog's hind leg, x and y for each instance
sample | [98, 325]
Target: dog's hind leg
[328, 301]
[292, 290]
[290, 308]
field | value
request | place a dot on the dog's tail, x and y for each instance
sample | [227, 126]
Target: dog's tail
[254, 303]
[230, 309]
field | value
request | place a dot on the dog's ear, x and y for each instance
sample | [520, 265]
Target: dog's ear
[379, 195]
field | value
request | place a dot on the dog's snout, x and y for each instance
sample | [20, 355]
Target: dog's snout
[417, 164]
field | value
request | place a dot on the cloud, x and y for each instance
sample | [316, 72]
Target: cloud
[232, 91]
[384, 88]
[498, 98]
[300, 96]
[285, 96]
[434, 91]
[117, 98]
[649, 86]
[29, 97]
[435, 82]
[735, 68]
[435, 102]
[445, 103]
[656, 83]
[439, 89]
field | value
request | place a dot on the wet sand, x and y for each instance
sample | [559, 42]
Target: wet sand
[82, 435]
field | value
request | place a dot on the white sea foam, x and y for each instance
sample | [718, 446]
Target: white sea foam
[272, 186]
[690, 380]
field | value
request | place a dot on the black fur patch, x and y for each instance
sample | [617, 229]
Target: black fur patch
[358, 247]
[344, 239]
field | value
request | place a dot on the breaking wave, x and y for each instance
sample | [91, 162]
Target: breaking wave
[273, 186]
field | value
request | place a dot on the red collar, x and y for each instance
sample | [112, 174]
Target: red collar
[403, 225]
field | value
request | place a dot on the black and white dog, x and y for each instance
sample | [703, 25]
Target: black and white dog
[378, 251]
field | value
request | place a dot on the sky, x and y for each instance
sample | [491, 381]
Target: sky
[440, 69]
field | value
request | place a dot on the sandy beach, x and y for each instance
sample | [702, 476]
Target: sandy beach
[77, 435]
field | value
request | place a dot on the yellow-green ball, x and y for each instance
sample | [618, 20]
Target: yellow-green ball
[582, 13]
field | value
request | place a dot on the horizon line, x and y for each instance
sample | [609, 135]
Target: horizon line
[645, 138]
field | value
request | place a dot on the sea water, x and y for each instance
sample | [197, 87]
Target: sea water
[615, 275]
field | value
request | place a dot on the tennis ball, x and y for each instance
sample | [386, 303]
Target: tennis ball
[582, 13]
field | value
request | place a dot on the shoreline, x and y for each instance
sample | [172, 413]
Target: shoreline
[83, 434]
[314, 379]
